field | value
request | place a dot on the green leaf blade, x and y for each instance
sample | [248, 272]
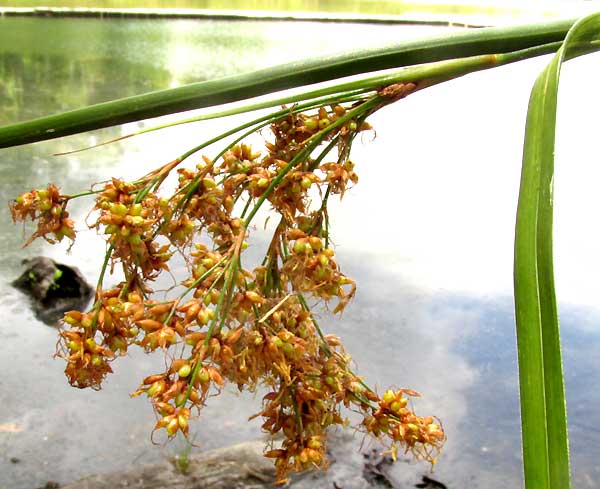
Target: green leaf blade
[543, 402]
[291, 75]
[527, 309]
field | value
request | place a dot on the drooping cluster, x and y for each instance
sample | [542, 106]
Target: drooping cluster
[47, 207]
[226, 323]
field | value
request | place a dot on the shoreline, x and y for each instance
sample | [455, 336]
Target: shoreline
[239, 15]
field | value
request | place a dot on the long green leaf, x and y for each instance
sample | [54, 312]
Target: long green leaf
[543, 405]
[291, 75]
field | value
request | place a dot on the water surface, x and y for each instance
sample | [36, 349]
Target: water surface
[427, 233]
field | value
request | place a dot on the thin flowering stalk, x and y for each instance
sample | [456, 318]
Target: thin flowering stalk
[315, 164]
[265, 120]
[97, 303]
[296, 109]
[192, 287]
[84, 194]
[328, 349]
[224, 299]
[220, 314]
[315, 98]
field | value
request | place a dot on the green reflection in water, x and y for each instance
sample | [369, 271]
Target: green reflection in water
[49, 65]
[347, 6]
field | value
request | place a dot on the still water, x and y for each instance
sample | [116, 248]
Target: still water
[427, 233]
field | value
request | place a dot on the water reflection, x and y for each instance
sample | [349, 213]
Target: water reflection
[432, 251]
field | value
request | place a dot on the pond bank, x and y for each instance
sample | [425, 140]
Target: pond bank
[241, 15]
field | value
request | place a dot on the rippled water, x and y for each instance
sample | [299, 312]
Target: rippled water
[427, 233]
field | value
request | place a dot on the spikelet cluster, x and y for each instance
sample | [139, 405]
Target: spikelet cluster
[232, 325]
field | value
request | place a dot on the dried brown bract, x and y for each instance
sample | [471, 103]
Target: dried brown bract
[397, 91]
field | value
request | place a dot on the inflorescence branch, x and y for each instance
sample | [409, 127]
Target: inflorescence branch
[232, 325]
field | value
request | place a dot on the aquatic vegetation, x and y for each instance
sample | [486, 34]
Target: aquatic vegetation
[254, 326]
[230, 324]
